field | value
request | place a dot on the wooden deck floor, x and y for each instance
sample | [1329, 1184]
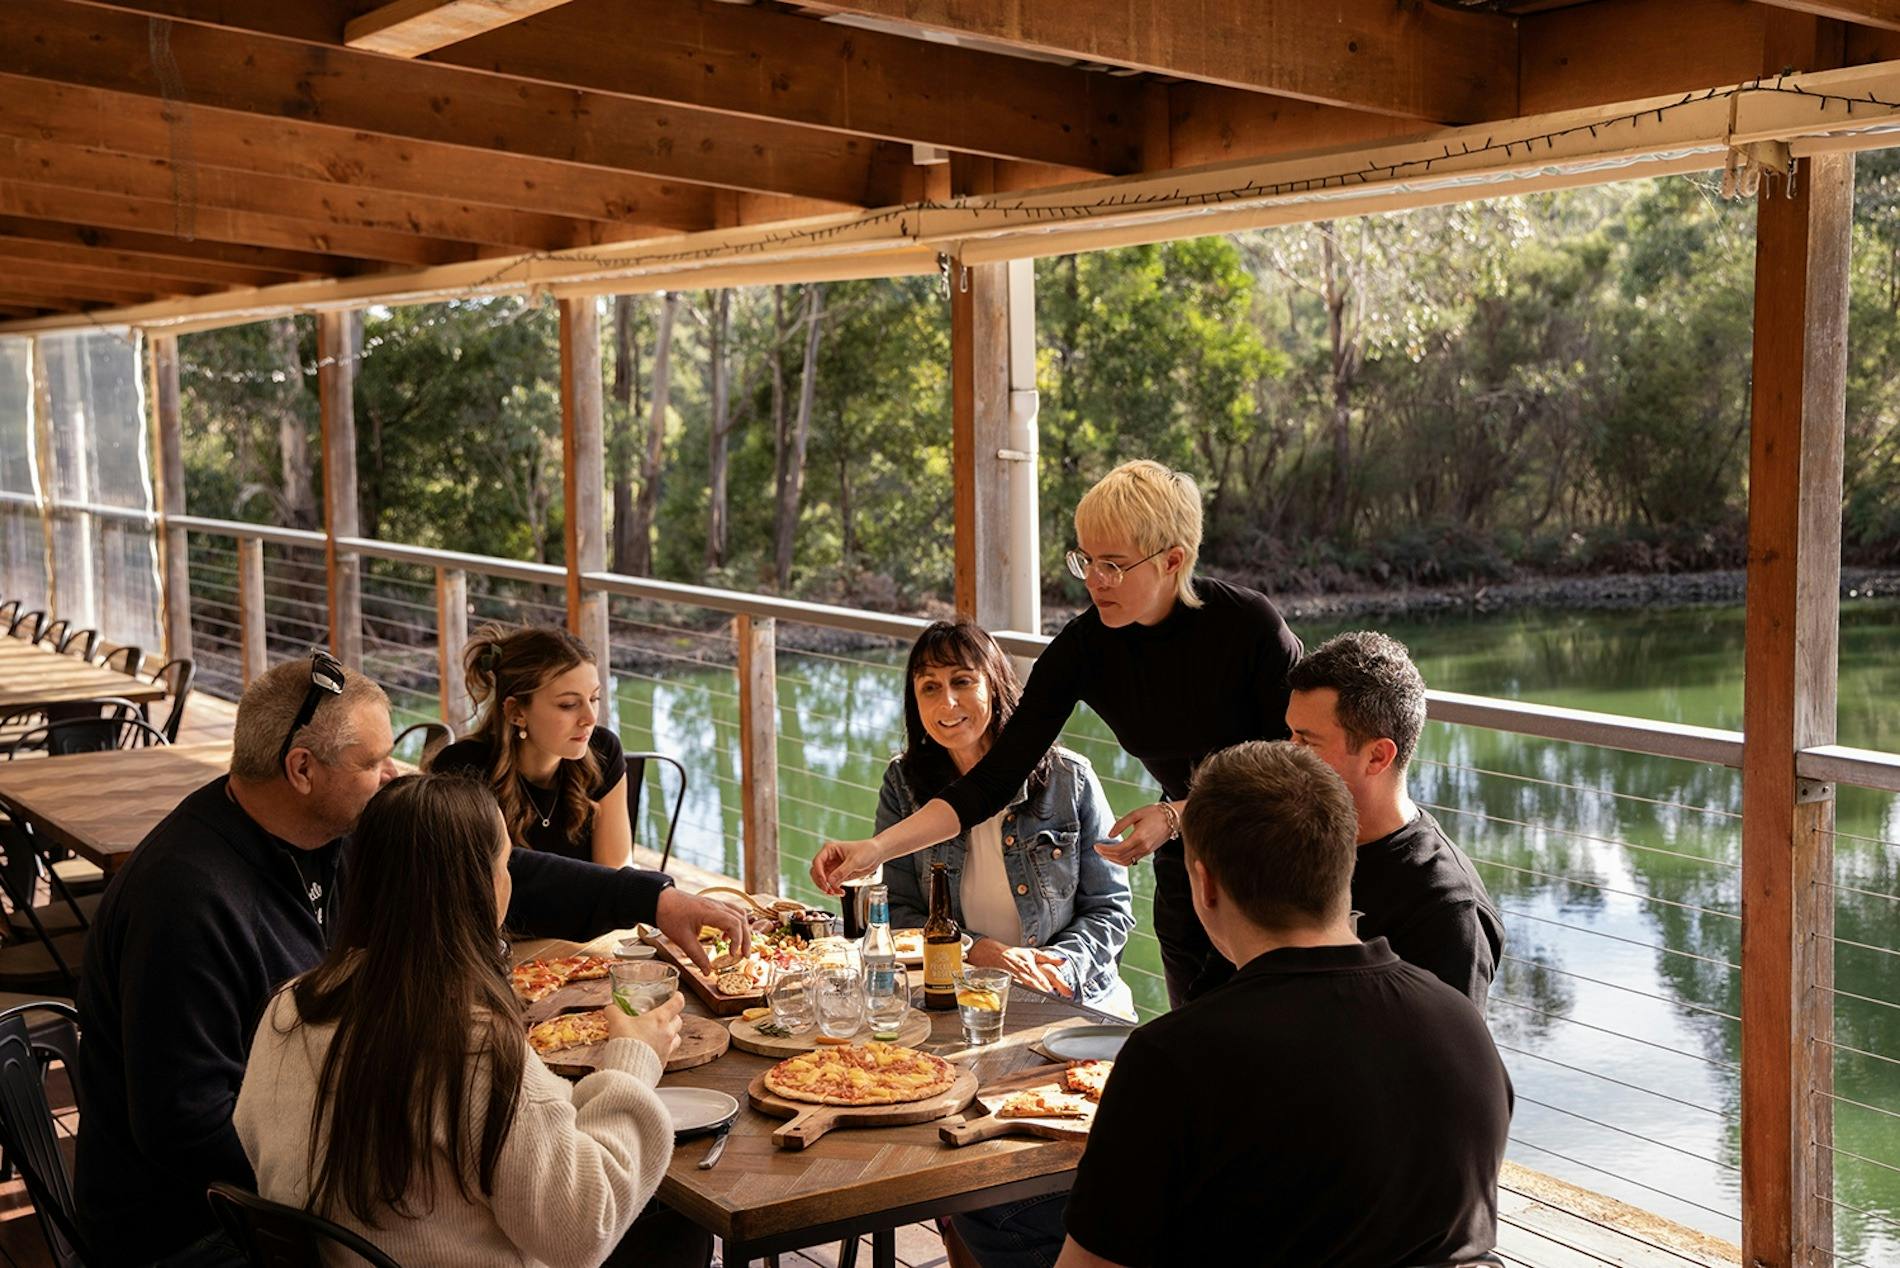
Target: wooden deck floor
[1543, 1222]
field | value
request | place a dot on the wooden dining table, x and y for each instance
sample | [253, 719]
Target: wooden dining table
[101, 805]
[34, 676]
[761, 1200]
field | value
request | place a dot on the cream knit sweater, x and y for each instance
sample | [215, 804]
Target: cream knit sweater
[578, 1165]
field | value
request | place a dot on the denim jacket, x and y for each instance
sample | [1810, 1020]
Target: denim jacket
[1071, 900]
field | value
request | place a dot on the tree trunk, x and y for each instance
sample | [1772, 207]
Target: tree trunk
[640, 532]
[719, 377]
[293, 435]
[781, 434]
[620, 442]
[848, 532]
[1336, 289]
[785, 529]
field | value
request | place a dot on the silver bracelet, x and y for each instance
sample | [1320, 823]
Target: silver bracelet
[1174, 819]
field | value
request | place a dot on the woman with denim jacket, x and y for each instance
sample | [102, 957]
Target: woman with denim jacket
[1025, 883]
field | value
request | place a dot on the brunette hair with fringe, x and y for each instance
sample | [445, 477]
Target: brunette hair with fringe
[503, 664]
[416, 987]
[925, 763]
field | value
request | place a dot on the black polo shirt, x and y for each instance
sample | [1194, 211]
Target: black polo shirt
[1419, 892]
[1327, 1107]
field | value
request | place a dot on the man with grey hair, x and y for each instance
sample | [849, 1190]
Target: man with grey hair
[1358, 701]
[231, 895]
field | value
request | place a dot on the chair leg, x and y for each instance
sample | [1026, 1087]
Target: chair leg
[848, 1253]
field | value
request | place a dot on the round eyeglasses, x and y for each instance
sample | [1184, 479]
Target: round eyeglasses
[1110, 573]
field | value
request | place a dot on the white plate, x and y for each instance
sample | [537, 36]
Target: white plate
[917, 961]
[1087, 1043]
[697, 1109]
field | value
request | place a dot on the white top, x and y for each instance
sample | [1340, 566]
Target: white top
[989, 907]
[575, 1169]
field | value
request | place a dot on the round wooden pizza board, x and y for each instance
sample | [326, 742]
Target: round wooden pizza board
[702, 1040]
[809, 1121]
[573, 998]
[988, 1126]
[746, 1036]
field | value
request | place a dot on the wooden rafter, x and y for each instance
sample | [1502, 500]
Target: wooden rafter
[1419, 60]
[128, 263]
[1880, 13]
[24, 268]
[241, 71]
[1618, 50]
[164, 247]
[410, 28]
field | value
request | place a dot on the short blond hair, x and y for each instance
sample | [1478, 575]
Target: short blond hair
[1155, 507]
[269, 705]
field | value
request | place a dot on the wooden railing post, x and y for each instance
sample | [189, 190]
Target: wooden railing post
[758, 748]
[1790, 658]
[336, 391]
[584, 454]
[255, 659]
[451, 638]
[173, 550]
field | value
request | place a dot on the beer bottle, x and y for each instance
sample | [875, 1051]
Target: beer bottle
[943, 945]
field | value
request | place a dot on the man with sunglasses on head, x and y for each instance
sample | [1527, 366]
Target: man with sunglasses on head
[232, 894]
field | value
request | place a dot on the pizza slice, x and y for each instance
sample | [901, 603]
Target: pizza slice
[569, 1030]
[535, 980]
[588, 968]
[1043, 1103]
[1087, 1077]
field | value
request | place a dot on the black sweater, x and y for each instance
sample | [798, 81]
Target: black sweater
[1202, 680]
[194, 934]
[1419, 892]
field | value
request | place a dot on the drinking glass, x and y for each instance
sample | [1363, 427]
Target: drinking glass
[982, 994]
[886, 1000]
[642, 984]
[791, 997]
[840, 998]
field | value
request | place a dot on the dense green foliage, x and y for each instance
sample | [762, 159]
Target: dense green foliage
[1558, 383]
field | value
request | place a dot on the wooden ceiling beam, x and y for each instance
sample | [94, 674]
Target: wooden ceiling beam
[1624, 50]
[131, 263]
[36, 272]
[1884, 14]
[1415, 60]
[217, 224]
[18, 285]
[410, 28]
[107, 47]
[292, 264]
[125, 123]
[193, 186]
[11, 311]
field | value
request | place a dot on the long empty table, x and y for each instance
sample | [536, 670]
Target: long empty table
[34, 676]
[101, 805]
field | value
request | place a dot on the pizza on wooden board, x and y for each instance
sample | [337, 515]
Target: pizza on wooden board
[1087, 1077]
[569, 1030]
[537, 979]
[1043, 1103]
[866, 1074]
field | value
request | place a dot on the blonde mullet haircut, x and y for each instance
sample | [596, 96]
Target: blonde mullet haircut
[1155, 508]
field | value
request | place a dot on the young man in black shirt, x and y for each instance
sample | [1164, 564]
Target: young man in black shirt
[1329, 1106]
[234, 893]
[1359, 703]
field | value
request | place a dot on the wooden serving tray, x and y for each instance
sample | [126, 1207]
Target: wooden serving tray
[989, 1126]
[809, 1122]
[573, 998]
[702, 1040]
[746, 1036]
[716, 1002]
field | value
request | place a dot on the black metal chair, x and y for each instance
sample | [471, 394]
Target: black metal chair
[277, 1236]
[177, 676]
[123, 660]
[117, 726]
[79, 643]
[55, 634]
[27, 1132]
[9, 610]
[27, 625]
[435, 738]
[636, 785]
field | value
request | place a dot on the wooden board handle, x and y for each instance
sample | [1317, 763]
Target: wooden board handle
[968, 1131]
[806, 1127]
[750, 901]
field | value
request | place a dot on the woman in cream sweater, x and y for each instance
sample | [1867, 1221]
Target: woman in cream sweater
[391, 1089]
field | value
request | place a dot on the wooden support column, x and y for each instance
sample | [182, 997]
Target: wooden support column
[169, 498]
[758, 748]
[451, 640]
[1794, 525]
[584, 464]
[993, 426]
[252, 653]
[338, 334]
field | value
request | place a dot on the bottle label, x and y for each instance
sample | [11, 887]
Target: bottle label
[942, 962]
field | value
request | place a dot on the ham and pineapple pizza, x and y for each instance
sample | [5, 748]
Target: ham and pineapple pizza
[867, 1074]
[569, 1030]
[537, 979]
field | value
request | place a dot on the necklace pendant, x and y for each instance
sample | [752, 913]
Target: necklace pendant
[544, 822]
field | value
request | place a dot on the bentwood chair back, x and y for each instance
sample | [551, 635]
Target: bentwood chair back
[432, 736]
[636, 783]
[79, 643]
[27, 1131]
[123, 660]
[55, 634]
[27, 625]
[117, 726]
[277, 1236]
[9, 610]
[177, 676]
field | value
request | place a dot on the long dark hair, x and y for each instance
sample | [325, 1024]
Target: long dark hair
[926, 764]
[415, 985]
[502, 664]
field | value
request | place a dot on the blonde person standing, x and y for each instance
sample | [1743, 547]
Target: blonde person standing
[1179, 667]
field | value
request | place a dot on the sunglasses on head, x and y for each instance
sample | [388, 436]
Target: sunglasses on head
[326, 679]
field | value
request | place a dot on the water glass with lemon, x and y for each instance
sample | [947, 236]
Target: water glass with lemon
[639, 985]
[982, 995]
